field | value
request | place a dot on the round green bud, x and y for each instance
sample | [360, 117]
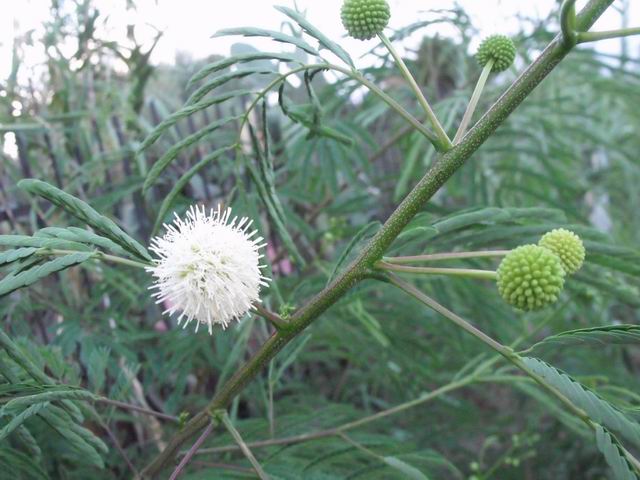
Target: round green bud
[498, 48]
[530, 277]
[364, 19]
[567, 246]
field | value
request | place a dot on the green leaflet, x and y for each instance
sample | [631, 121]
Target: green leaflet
[363, 235]
[612, 451]
[263, 177]
[274, 35]
[86, 214]
[20, 418]
[594, 336]
[40, 242]
[25, 278]
[598, 409]
[245, 57]
[310, 29]
[182, 182]
[164, 161]
[78, 236]
[222, 79]
[13, 255]
[408, 470]
[50, 396]
[184, 112]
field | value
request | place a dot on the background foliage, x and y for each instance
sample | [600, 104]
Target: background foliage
[567, 157]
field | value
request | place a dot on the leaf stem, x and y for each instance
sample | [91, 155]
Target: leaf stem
[224, 418]
[584, 37]
[276, 320]
[192, 451]
[568, 23]
[136, 408]
[458, 272]
[507, 352]
[473, 103]
[432, 257]
[444, 142]
[97, 255]
[430, 135]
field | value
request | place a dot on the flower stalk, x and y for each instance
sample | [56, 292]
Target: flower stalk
[455, 272]
[473, 103]
[434, 257]
[584, 37]
[444, 142]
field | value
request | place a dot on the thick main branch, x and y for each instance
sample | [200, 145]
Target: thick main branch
[440, 172]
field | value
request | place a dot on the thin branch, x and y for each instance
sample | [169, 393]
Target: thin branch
[192, 451]
[584, 37]
[224, 418]
[136, 408]
[473, 103]
[444, 142]
[276, 320]
[121, 451]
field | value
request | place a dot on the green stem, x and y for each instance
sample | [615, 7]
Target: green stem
[473, 103]
[584, 37]
[568, 23]
[444, 142]
[431, 136]
[276, 320]
[224, 418]
[136, 408]
[506, 352]
[445, 256]
[447, 164]
[458, 272]
[462, 382]
[98, 255]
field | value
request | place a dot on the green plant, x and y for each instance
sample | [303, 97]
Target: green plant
[373, 257]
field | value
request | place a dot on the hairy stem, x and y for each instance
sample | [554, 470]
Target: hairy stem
[444, 143]
[473, 103]
[456, 272]
[447, 164]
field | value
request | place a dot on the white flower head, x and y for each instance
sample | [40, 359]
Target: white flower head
[208, 267]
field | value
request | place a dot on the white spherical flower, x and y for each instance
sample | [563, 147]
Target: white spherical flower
[208, 267]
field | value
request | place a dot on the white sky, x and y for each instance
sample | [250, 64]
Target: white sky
[189, 24]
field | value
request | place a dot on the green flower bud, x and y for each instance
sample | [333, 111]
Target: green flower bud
[566, 245]
[530, 277]
[498, 48]
[364, 19]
